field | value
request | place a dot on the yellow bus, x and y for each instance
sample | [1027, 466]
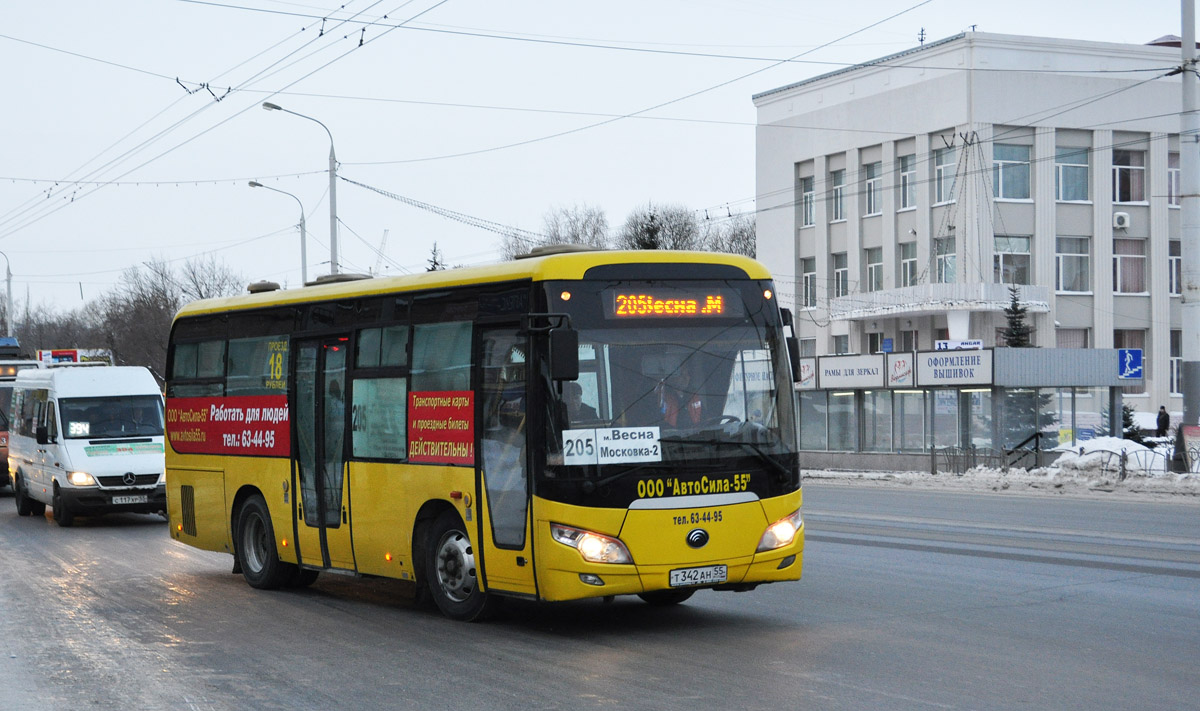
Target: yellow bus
[569, 425]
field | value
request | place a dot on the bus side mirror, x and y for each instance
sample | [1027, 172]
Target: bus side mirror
[564, 353]
[793, 346]
[785, 316]
[43, 435]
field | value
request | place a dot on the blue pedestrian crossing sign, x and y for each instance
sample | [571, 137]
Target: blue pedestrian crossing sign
[1129, 363]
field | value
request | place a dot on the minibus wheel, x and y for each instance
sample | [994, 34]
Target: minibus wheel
[25, 505]
[450, 565]
[255, 547]
[62, 516]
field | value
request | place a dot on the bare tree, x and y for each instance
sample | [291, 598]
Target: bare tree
[137, 313]
[660, 227]
[578, 224]
[735, 235]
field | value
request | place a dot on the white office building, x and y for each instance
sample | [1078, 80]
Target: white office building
[901, 197]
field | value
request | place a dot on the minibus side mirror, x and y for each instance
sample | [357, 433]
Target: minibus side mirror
[564, 353]
[43, 435]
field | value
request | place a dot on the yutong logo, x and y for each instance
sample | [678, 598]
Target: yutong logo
[697, 537]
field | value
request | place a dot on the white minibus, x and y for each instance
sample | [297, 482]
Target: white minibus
[87, 440]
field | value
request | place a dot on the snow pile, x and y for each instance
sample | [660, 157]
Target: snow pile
[1091, 467]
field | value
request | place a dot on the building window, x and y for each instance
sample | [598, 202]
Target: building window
[1010, 261]
[808, 347]
[943, 175]
[875, 342]
[1071, 174]
[908, 182]
[1129, 176]
[1175, 266]
[1010, 172]
[808, 285]
[941, 334]
[908, 264]
[841, 344]
[841, 275]
[808, 199]
[871, 188]
[837, 196]
[1132, 338]
[1173, 179]
[1071, 338]
[1129, 266]
[1176, 361]
[908, 341]
[1072, 268]
[945, 259]
[875, 269]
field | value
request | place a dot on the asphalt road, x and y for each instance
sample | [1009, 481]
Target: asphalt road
[910, 600]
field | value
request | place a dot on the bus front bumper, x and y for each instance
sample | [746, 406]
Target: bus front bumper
[91, 500]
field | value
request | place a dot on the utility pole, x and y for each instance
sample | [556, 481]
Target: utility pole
[1189, 164]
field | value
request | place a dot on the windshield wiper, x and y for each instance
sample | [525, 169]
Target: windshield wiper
[752, 447]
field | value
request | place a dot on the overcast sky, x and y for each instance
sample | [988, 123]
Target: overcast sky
[130, 128]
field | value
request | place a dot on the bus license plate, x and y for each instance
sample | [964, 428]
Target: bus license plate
[138, 499]
[708, 575]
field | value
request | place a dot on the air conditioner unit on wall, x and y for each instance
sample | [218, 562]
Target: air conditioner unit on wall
[1120, 220]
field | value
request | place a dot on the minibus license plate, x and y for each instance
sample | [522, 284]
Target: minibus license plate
[137, 499]
[698, 576]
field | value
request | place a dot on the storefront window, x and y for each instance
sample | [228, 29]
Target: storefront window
[877, 421]
[814, 432]
[909, 416]
[843, 422]
[977, 408]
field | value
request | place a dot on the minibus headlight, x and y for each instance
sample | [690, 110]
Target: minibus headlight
[594, 547]
[780, 533]
[81, 479]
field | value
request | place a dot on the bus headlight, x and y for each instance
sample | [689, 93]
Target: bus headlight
[81, 479]
[780, 533]
[594, 547]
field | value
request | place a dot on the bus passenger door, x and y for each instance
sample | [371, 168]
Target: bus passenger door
[502, 456]
[322, 509]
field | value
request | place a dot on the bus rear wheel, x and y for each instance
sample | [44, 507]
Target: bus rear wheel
[255, 549]
[663, 598]
[450, 568]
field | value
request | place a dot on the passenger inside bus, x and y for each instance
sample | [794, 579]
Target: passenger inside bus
[678, 401]
[577, 409]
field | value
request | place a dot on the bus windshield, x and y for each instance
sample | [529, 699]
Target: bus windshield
[675, 394]
[99, 417]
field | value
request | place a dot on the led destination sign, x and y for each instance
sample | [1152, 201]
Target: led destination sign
[673, 303]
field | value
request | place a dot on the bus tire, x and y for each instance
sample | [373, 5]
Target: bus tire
[25, 505]
[665, 598]
[62, 515]
[451, 575]
[255, 547]
[303, 577]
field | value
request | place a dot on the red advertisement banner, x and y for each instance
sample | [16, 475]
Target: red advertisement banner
[441, 427]
[248, 424]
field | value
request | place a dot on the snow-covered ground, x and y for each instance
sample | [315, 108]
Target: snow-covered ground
[1091, 468]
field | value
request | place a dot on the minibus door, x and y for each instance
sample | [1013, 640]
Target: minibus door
[502, 456]
[322, 509]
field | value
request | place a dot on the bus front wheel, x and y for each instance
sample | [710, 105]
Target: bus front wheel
[450, 568]
[663, 598]
[255, 549]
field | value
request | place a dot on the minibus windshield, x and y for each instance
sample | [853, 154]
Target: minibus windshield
[101, 417]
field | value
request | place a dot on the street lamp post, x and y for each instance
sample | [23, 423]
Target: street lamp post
[8, 321]
[303, 237]
[333, 230]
